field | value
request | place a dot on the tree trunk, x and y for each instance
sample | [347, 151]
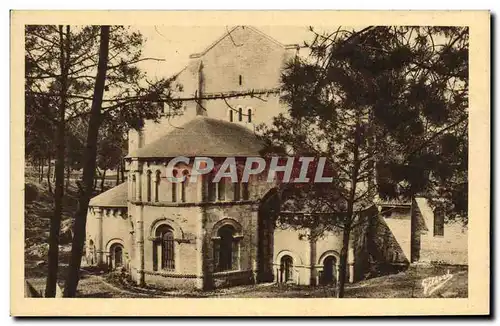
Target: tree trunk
[40, 170]
[345, 244]
[96, 177]
[89, 166]
[103, 179]
[350, 212]
[343, 263]
[313, 251]
[49, 173]
[68, 175]
[55, 222]
[122, 170]
[118, 174]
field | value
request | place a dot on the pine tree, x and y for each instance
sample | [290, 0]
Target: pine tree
[61, 66]
[382, 105]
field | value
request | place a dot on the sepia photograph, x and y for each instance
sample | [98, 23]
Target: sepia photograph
[218, 161]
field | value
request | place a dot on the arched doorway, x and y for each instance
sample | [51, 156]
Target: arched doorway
[286, 269]
[227, 255]
[329, 270]
[116, 253]
[91, 259]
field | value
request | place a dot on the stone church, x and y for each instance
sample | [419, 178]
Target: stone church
[205, 235]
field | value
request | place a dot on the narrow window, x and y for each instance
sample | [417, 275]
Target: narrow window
[438, 222]
[240, 80]
[231, 115]
[240, 114]
[249, 115]
[183, 187]
[174, 187]
[148, 186]
[157, 186]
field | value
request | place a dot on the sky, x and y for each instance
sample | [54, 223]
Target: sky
[174, 44]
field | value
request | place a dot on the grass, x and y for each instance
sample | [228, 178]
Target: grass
[408, 284]
[266, 290]
[402, 285]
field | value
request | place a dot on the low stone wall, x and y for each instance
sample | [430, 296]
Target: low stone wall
[170, 281]
[232, 278]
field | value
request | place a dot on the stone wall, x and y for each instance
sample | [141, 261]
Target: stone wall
[171, 281]
[185, 223]
[115, 229]
[244, 216]
[247, 53]
[449, 248]
[295, 243]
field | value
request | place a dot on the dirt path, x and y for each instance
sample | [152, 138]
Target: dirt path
[96, 286]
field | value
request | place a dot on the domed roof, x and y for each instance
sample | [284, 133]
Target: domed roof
[204, 136]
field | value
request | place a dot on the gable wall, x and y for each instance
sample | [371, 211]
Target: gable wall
[248, 53]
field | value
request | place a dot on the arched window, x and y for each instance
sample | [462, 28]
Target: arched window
[240, 114]
[231, 115]
[116, 255]
[249, 114]
[148, 186]
[226, 249]
[174, 187]
[157, 186]
[164, 248]
[286, 269]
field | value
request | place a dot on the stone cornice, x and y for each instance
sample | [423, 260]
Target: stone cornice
[195, 204]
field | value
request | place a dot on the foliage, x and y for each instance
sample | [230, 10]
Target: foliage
[62, 69]
[360, 94]
[130, 97]
[387, 107]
